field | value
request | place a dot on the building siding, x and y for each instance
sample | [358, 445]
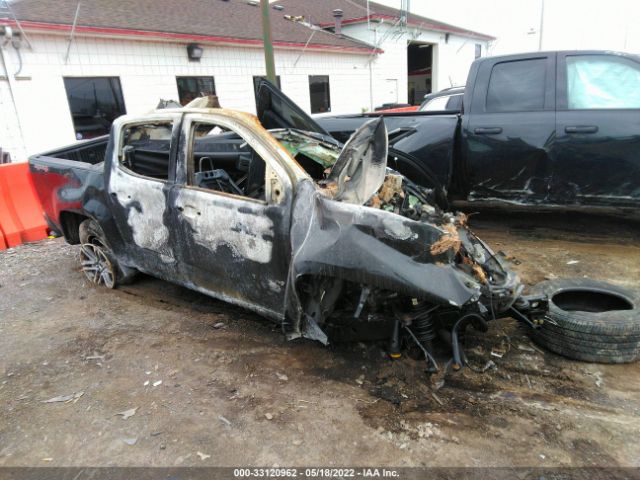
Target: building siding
[147, 73]
[452, 56]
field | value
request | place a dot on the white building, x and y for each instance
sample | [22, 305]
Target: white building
[60, 82]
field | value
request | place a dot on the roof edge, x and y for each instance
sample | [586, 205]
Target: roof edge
[424, 24]
[187, 37]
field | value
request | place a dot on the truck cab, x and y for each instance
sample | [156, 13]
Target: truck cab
[553, 128]
[536, 130]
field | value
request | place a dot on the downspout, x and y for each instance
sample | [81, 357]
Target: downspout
[370, 87]
[375, 44]
[8, 35]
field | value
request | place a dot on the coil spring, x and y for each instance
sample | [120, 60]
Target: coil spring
[422, 324]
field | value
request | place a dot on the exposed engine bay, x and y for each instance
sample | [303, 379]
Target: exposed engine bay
[430, 243]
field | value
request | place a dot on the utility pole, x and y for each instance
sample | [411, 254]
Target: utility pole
[541, 25]
[268, 44]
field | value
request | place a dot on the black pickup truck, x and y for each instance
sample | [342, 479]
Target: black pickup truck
[546, 129]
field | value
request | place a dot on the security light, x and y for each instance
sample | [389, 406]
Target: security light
[195, 52]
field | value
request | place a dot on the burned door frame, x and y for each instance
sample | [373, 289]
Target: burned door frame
[140, 204]
[234, 247]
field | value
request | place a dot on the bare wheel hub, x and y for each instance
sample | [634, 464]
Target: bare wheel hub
[96, 265]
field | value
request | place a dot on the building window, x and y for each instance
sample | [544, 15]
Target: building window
[319, 93]
[95, 102]
[257, 79]
[194, 87]
[478, 50]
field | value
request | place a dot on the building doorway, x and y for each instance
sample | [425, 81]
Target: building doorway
[419, 71]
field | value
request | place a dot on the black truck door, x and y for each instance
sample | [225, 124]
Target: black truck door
[509, 128]
[598, 130]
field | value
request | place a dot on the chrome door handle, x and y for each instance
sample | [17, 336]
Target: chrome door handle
[581, 129]
[487, 130]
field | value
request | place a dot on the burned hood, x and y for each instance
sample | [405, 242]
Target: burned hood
[361, 167]
[367, 246]
[276, 110]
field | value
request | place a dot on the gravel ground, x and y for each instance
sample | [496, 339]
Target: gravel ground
[199, 382]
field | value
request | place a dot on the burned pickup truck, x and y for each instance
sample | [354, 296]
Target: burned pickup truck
[318, 236]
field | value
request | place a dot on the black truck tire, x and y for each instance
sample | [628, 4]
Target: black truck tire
[97, 259]
[590, 320]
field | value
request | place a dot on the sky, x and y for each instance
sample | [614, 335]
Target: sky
[567, 25]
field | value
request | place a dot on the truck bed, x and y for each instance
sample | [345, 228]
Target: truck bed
[90, 152]
[61, 178]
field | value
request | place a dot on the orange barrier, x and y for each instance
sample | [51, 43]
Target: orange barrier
[21, 218]
[3, 244]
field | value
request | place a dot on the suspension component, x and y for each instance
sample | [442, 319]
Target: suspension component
[459, 358]
[432, 365]
[422, 323]
[394, 341]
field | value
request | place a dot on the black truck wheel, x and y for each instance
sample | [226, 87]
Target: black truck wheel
[590, 320]
[97, 260]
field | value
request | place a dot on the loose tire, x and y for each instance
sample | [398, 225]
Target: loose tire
[590, 320]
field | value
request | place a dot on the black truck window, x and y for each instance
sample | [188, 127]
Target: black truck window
[256, 82]
[146, 149]
[602, 81]
[221, 160]
[517, 86]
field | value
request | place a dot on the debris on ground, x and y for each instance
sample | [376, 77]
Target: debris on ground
[130, 441]
[268, 416]
[95, 357]
[159, 382]
[127, 413]
[224, 420]
[526, 348]
[74, 397]
[282, 376]
[218, 325]
[203, 456]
